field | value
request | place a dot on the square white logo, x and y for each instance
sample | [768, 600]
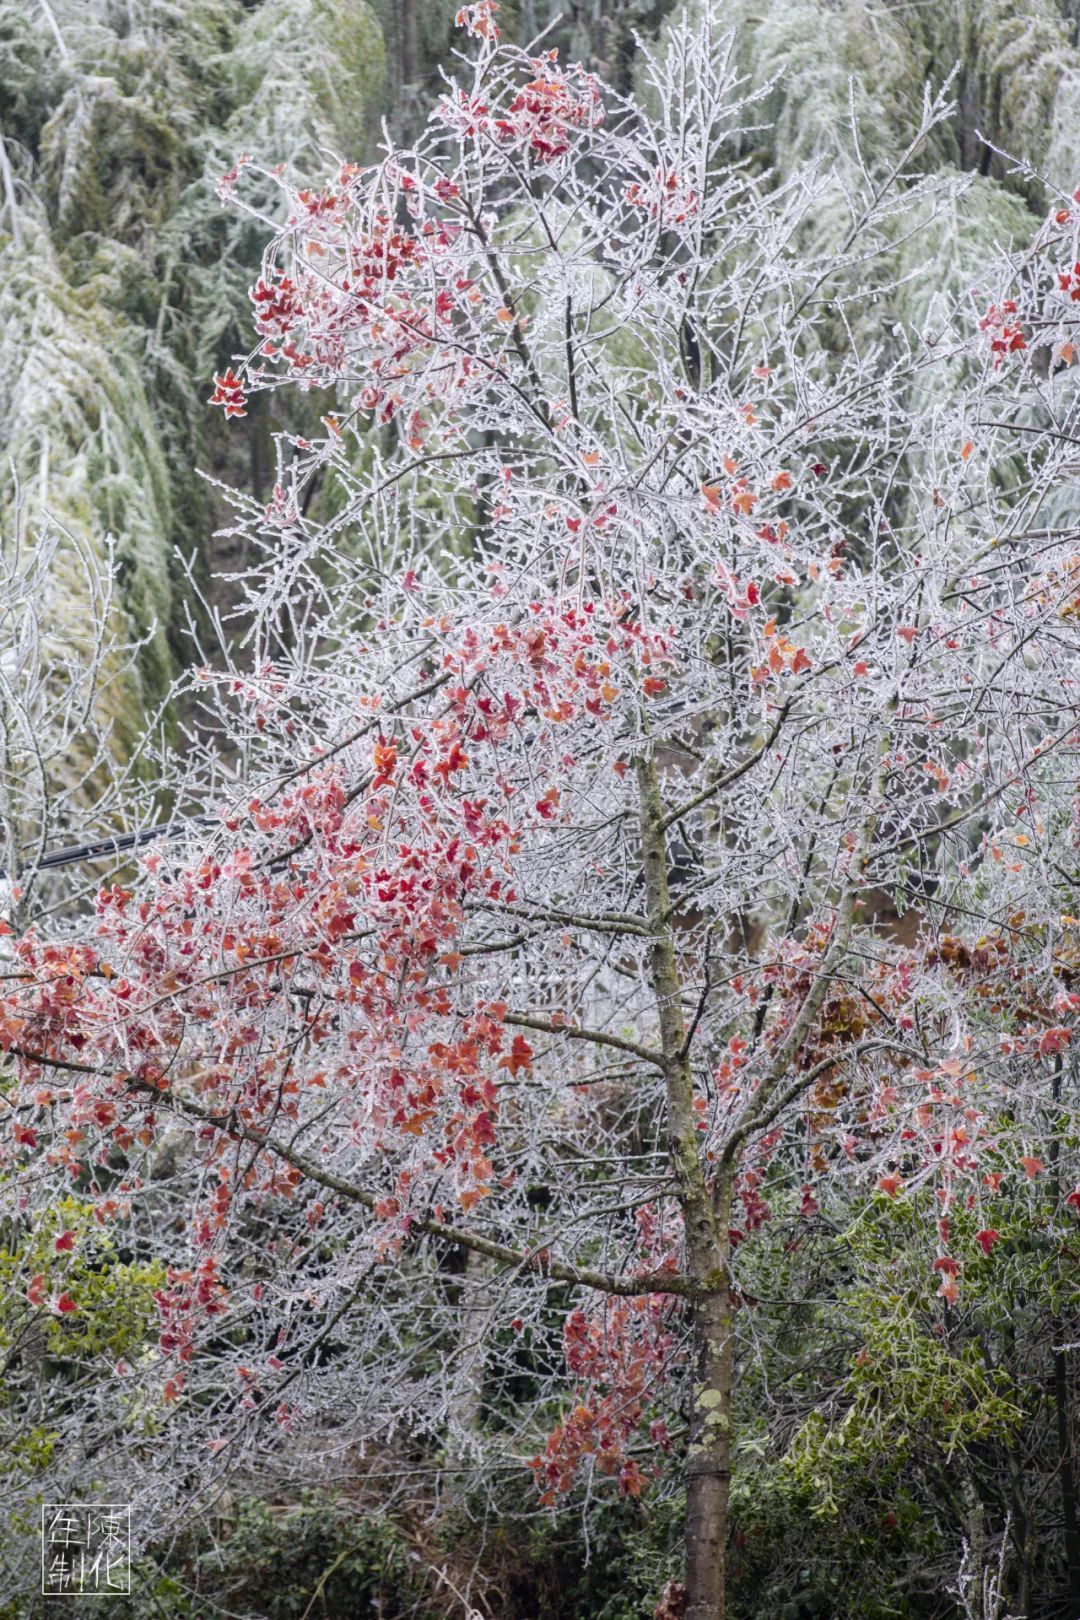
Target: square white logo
[85, 1549]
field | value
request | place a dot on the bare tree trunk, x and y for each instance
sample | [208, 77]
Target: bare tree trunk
[706, 1225]
[708, 1465]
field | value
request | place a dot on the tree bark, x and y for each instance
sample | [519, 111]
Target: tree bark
[708, 1463]
[706, 1225]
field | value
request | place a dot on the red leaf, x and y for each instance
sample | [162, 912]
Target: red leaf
[520, 1056]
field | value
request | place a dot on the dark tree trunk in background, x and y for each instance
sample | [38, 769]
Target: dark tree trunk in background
[408, 43]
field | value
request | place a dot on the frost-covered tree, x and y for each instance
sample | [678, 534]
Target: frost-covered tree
[538, 920]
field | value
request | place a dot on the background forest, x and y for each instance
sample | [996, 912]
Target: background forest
[124, 287]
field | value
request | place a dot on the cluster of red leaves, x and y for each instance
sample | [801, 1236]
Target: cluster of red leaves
[320, 956]
[1060, 587]
[479, 20]
[620, 1354]
[61, 1303]
[666, 197]
[781, 656]
[189, 1300]
[740, 597]
[543, 115]
[1005, 332]
[229, 393]
[1069, 282]
[567, 656]
[742, 500]
[541, 118]
[1064, 216]
[228, 180]
[366, 295]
